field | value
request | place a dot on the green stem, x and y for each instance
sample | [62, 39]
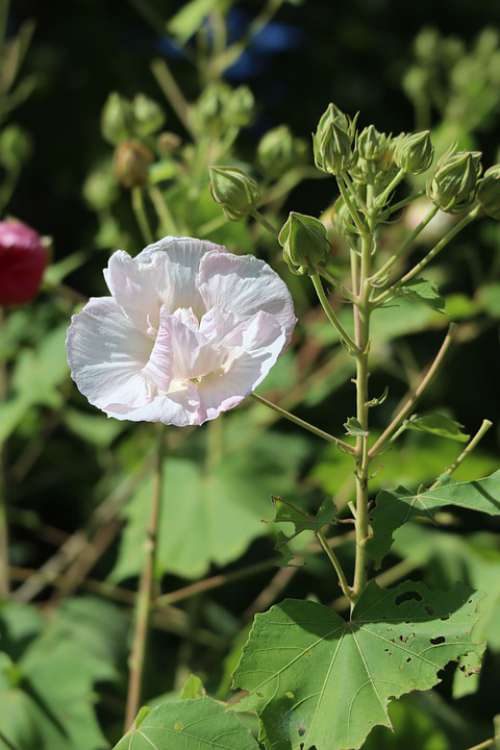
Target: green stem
[171, 91]
[212, 226]
[355, 215]
[384, 195]
[331, 314]
[429, 257]
[402, 203]
[264, 222]
[485, 744]
[485, 426]
[140, 214]
[335, 564]
[10, 745]
[305, 425]
[163, 212]
[146, 595]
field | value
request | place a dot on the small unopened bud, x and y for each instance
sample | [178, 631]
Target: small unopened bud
[117, 120]
[276, 151]
[454, 185]
[23, 258]
[234, 190]
[240, 107]
[371, 144]
[428, 45]
[488, 192]
[148, 116]
[15, 147]
[168, 143]
[414, 152]
[332, 141]
[100, 189]
[132, 161]
[305, 243]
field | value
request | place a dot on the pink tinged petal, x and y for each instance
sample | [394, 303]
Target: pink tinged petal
[245, 285]
[180, 262]
[257, 345]
[193, 355]
[107, 355]
[134, 285]
[179, 408]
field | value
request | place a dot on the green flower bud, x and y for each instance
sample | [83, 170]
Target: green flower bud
[370, 143]
[413, 153]
[148, 116]
[488, 192]
[276, 151]
[235, 191]
[132, 160]
[428, 45]
[240, 107]
[100, 189]
[332, 141]
[305, 243]
[117, 119]
[15, 147]
[454, 185]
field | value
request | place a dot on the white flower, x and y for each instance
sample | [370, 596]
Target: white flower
[189, 331]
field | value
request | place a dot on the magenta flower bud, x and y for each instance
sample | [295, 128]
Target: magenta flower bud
[22, 262]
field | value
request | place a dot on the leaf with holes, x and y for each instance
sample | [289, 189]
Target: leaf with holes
[320, 682]
[393, 509]
[200, 724]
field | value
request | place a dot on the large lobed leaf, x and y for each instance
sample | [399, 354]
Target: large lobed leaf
[320, 682]
[393, 509]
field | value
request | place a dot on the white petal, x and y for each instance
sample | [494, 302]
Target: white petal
[107, 354]
[134, 285]
[244, 285]
[193, 355]
[258, 344]
[159, 368]
[180, 408]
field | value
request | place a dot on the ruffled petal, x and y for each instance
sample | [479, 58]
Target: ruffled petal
[244, 285]
[256, 345]
[107, 354]
[193, 354]
[134, 285]
[180, 408]
[159, 369]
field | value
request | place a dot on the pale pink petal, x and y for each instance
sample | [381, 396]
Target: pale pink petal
[179, 408]
[107, 354]
[244, 285]
[193, 355]
[160, 365]
[134, 285]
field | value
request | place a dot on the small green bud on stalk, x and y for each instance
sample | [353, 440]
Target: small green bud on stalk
[100, 189]
[117, 120]
[454, 185]
[305, 243]
[414, 152]
[132, 160]
[278, 151]
[332, 141]
[148, 116]
[240, 107]
[234, 190]
[488, 192]
[371, 144]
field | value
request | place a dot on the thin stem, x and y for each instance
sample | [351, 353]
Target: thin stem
[389, 576]
[265, 223]
[402, 203]
[471, 445]
[140, 214]
[212, 226]
[355, 215]
[335, 564]
[146, 594]
[484, 745]
[162, 209]
[305, 425]
[384, 195]
[4, 528]
[10, 745]
[331, 314]
[429, 257]
[413, 398]
[410, 239]
[171, 91]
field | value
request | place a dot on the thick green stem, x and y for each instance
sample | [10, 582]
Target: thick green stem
[140, 214]
[146, 595]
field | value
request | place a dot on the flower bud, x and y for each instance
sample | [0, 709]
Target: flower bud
[211, 106]
[235, 191]
[117, 120]
[276, 151]
[414, 152]
[370, 143]
[240, 107]
[454, 185]
[15, 147]
[148, 116]
[428, 45]
[100, 189]
[168, 142]
[488, 192]
[332, 141]
[22, 262]
[132, 161]
[305, 243]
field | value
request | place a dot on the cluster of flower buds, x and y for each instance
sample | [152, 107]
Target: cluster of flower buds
[220, 107]
[23, 257]
[305, 243]
[332, 141]
[279, 150]
[123, 119]
[234, 190]
[454, 185]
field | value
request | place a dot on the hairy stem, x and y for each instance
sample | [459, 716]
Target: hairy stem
[146, 595]
[305, 425]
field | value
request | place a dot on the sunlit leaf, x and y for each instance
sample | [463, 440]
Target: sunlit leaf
[437, 424]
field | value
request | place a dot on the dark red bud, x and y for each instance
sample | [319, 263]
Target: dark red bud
[22, 262]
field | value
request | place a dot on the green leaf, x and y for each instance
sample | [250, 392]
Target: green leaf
[93, 428]
[320, 682]
[393, 509]
[424, 291]
[201, 724]
[192, 688]
[437, 424]
[354, 428]
[286, 512]
[48, 361]
[210, 516]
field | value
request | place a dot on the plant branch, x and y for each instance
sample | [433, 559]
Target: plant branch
[355, 215]
[305, 425]
[265, 223]
[171, 91]
[10, 745]
[331, 314]
[483, 745]
[146, 593]
[167, 221]
[384, 195]
[335, 564]
[140, 214]
[413, 398]
[485, 426]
